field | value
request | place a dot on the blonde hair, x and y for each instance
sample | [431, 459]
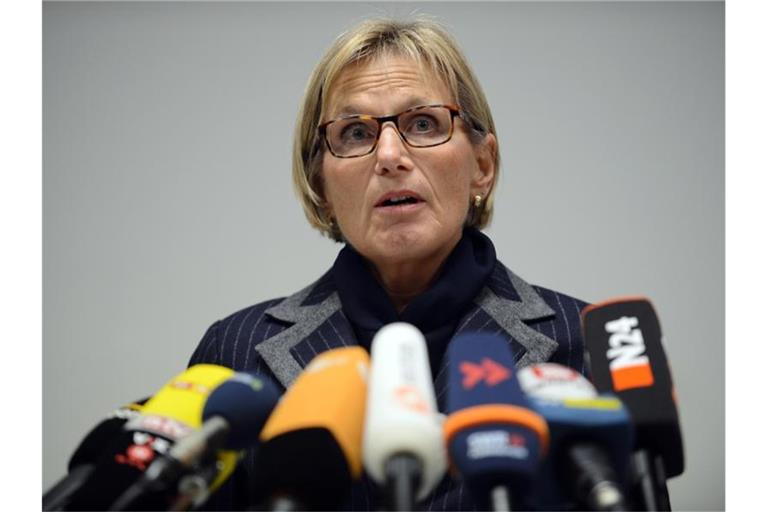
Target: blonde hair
[422, 40]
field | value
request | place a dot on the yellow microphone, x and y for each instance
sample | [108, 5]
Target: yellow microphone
[311, 449]
[183, 398]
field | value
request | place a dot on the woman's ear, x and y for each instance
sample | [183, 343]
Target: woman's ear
[485, 154]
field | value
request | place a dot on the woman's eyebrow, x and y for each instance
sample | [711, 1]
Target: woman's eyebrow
[354, 109]
[350, 109]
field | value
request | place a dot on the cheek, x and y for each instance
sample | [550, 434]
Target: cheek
[331, 178]
[343, 189]
[455, 186]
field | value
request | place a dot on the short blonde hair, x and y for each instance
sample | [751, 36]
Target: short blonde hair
[422, 40]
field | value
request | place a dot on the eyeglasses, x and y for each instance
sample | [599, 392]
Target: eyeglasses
[420, 127]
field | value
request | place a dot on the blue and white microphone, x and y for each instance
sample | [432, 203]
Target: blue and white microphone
[495, 439]
[591, 440]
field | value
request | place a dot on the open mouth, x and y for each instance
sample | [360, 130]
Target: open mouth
[398, 201]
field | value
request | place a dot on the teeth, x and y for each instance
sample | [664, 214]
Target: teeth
[394, 201]
[399, 200]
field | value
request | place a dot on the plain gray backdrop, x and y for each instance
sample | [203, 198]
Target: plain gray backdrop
[167, 133]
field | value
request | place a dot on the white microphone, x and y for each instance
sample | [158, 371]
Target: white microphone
[403, 448]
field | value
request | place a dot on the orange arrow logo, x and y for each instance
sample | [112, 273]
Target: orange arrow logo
[488, 370]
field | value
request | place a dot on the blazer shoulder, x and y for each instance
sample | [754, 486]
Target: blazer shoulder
[232, 340]
[564, 327]
[229, 341]
[560, 302]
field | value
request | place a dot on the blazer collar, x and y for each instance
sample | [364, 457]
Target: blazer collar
[511, 315]
[281, 352]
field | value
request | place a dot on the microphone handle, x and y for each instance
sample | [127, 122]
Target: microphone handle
[500, 500]
[593, 480]
[661, 484]
[57, 497]
[403, 474]
[159, 476]
[194, 488]
[285, 503]
[652, 481]
[131, 495]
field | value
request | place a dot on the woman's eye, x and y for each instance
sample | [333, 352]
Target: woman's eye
[356, 132]
[423, 124]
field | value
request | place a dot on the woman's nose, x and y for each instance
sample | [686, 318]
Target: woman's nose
[391, 153]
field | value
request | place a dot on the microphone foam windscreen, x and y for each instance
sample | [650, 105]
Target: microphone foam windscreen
[311, 444]
[482, 371]
[623, 340]
[552, 381]
[245, 401]
[401, 412]
[493, 435]
[184, 396]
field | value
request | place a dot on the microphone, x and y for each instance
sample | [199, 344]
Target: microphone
[590, 438]
[310, 446]
[83, 460]
[98, 439]
[233, 416]
[168, 416]
[495, 439]
[623, 341]
[402, 438]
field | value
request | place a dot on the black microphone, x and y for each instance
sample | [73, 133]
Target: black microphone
[86, 455]
[495, 439]
[233, 417]
[172, 413]
[623, 341]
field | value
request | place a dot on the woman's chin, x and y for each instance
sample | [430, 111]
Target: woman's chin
[408, 245]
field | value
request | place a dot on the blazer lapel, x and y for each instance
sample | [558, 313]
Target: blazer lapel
[493, 312]
[510, 315]
[322, 325]
[288, 352]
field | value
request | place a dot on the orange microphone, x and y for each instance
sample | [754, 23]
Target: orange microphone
[311, 449]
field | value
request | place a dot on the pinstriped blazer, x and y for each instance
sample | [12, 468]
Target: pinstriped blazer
[278, 338]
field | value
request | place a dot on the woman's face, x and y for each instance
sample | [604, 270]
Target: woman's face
[443, 178]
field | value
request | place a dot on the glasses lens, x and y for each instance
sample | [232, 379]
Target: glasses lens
[352, 137]
[426, 126]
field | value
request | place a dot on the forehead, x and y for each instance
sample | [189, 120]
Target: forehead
[384, 85]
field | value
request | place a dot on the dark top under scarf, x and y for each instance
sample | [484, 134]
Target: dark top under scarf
[436, 312]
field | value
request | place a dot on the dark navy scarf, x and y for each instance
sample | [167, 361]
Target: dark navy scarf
[436, 312]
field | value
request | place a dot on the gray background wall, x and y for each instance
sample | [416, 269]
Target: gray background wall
[167, 131]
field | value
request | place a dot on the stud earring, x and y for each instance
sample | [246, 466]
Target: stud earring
[478, 201]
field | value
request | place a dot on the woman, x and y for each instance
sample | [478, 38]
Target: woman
[396, 156]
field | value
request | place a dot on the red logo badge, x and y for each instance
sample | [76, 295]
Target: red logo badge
[516, 440]
[137, 455]
[488, 371]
